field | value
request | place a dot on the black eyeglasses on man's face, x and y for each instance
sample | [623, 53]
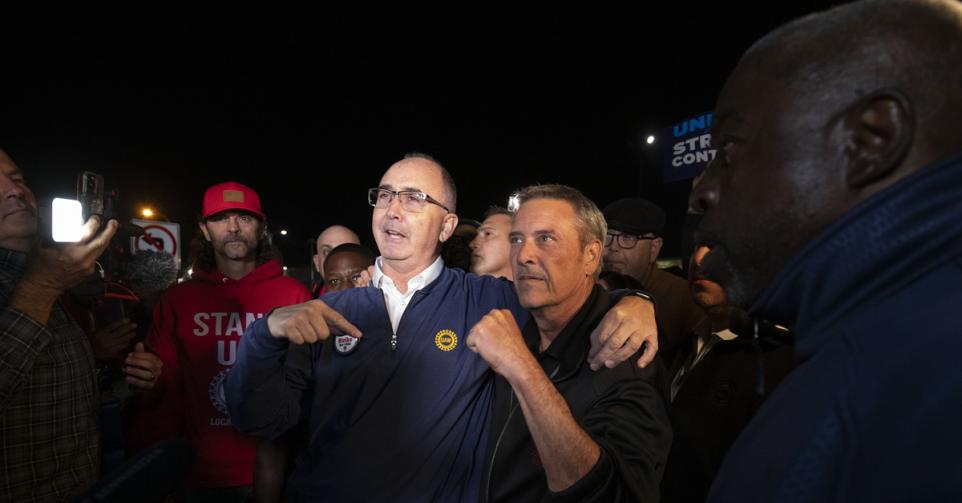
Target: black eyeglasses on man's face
[411, 200]
[626, 241]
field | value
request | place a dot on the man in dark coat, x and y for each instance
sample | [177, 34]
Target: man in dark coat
[833, 208]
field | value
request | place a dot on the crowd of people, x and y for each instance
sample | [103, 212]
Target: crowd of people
[540, 353]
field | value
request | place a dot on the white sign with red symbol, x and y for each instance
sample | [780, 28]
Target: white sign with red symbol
[158, 236]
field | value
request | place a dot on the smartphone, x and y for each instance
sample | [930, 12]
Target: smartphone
[90, 193]
[69, 215]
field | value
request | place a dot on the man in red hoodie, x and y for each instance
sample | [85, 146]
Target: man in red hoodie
[197, 326]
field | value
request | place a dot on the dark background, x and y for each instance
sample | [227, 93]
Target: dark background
[310, 106]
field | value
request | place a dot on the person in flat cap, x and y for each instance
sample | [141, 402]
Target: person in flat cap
[631, 247]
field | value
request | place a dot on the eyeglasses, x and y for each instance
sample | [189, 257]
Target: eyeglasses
[626, 241]
[411, 200]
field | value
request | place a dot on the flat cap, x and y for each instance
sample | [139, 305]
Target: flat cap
[634, 215]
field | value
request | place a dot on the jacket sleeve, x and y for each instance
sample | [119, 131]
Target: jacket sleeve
[630, 424]
[158, 413]
[266, 385]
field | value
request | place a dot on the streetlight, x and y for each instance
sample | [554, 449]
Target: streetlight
[152, 214]
[283, 232]
[650, 139]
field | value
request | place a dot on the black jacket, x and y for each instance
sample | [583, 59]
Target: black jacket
[718, 398]
[624, 410]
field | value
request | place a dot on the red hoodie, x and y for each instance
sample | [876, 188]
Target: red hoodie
[196, 328]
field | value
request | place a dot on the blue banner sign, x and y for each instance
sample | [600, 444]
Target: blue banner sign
[689, 149]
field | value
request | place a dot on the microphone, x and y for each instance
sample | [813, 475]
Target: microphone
[148, 477]
[151, 271]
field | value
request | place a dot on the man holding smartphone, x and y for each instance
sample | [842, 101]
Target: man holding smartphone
[48, 387]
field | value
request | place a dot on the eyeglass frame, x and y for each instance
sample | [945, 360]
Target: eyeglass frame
[373, 192]
[634, 238]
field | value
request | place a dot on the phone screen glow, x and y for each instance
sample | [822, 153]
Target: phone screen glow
[67, 216]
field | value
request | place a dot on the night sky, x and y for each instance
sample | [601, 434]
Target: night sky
[310, 106]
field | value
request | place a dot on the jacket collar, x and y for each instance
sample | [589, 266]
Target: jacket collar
[572, 344]
[875, 249]
[418, 282]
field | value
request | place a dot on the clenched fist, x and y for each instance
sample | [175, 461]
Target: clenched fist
[497, 339]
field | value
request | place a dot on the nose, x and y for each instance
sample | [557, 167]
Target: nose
[393, 209]
[524, 252]
[475, 243]
[232, 224]
[705, 194]
[699, 254]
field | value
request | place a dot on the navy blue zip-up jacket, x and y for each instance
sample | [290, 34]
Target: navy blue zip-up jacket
[382, 425]
[873, 410]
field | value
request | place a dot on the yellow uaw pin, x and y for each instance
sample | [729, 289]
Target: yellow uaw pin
[446, 340]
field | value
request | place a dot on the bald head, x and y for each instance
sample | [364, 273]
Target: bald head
[852, 51]
[329, 239]
[818, 116]
[450, 192]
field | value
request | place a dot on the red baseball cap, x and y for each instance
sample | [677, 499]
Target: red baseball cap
[229, 196]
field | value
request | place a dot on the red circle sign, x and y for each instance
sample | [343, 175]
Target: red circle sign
[156, 243]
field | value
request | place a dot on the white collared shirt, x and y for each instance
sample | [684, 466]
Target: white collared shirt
[395, 301]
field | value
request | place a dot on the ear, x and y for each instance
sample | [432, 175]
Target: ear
[879, 129]
[656, 248]
[592, 254]
[318, 266]
[448, 225]
[203, 230]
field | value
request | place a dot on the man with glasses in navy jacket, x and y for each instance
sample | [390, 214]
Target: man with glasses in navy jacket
[397, 408]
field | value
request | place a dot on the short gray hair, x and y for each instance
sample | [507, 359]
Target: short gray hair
[590, 221]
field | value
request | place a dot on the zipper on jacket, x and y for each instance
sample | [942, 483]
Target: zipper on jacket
[414, 297]
[497, 444]
[494, 453]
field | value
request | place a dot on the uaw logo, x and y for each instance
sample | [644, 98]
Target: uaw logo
[345, 344]
[215, 391]
[446, 340]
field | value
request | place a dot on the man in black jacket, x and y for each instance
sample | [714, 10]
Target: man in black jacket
[579, 435]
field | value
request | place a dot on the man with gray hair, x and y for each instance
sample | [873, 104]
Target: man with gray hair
[594, 436]
[833, 208]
